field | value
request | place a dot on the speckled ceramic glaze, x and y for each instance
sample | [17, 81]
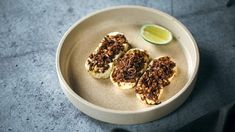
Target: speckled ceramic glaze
[99, 98]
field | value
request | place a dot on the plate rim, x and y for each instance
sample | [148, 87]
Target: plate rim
[97, 107]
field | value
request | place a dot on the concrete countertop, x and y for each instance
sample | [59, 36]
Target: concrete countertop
[30, 30]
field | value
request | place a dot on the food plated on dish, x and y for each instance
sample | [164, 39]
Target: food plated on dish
[100, 63]
[158, 75]
[90, 89]
[127, 68]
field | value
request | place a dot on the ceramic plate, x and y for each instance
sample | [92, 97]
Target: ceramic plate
[99, 98]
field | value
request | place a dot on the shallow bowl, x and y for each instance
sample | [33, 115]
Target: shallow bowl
[99, 98]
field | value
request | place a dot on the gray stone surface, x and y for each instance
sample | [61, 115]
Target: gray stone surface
[30, 96]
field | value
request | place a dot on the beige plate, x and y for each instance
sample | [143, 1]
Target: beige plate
[99, 98]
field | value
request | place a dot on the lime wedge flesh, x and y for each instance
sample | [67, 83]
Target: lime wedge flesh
[156, 34]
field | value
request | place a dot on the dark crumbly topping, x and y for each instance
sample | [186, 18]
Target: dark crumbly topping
[111, 46]
[129, 67]
[156, 77]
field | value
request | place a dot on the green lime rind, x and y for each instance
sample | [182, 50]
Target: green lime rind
[157, 27]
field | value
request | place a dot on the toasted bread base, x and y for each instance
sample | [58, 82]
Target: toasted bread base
[149, 101]
[107, 73]
[128, 85]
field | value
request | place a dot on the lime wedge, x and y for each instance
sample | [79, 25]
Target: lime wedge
[156, 34]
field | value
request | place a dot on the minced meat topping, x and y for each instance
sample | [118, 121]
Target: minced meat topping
[156, 77]
[129, 67]
[111, 46]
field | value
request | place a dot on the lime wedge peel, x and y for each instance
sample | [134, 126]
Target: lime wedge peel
[156, 34]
